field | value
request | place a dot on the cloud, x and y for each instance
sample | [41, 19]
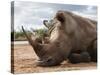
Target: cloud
[88, 12]
[93, 17]
[32, 14]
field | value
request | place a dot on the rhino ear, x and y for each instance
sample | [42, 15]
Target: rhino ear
[60, 16]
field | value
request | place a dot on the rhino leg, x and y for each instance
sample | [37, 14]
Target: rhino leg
[85, 57]
[90, 55]
[93, 51]
[79, 57]
[75, 58]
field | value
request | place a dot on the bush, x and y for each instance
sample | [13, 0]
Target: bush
[40, 32]
[19, 35]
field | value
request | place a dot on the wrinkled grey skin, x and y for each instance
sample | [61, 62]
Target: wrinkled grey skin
[70, 33]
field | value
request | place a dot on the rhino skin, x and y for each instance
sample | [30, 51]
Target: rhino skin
[73, 55]
[70, 33]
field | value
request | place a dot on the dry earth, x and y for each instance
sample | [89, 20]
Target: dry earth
[25, 62]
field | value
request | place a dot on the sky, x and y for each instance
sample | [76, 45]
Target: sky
[31, 14]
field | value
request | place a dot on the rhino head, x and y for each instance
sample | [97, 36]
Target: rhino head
[47, 53]
[58, 48]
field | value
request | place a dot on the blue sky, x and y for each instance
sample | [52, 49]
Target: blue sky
[31, 14]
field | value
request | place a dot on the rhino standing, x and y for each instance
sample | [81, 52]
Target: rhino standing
[70, 33]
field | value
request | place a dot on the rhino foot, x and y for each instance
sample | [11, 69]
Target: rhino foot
[78, 58]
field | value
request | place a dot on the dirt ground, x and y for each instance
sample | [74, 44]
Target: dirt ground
[25, 62]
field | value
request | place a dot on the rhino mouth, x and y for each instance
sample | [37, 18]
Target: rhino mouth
[47, 62]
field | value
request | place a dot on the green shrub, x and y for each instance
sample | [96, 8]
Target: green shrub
[40, 32]
[19, 35]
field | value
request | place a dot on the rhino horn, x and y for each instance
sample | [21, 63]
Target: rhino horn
[28, 38]
[36, 46]
[45, 22]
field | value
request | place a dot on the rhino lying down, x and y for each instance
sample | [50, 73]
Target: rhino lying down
[71, 37]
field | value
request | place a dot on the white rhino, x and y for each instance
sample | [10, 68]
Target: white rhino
[70, 34]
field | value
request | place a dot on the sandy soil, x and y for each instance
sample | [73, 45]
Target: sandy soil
[25, 62]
